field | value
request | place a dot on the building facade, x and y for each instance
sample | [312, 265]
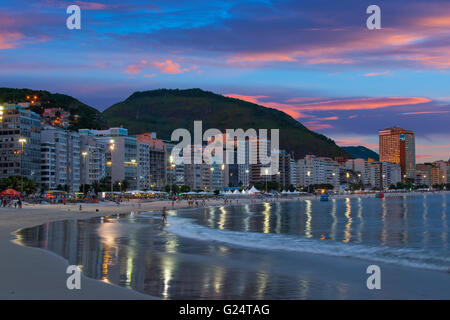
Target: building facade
[397, 145]
[60, 159]
[20, 142]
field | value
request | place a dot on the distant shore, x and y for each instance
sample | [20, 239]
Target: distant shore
[29, 273]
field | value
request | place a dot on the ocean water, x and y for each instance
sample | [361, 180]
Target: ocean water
[271, 250]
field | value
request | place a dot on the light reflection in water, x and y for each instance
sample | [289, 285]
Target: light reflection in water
[361, 220]
[247, 213]
[261, 284]
[211, 216]
[444, 222]
[167, 273]
[222, 218]
[304, 288]
[405, 220]
[266, 213]
[140, 253]
[278, 216]
[219, 273]
[348, 225]
[105, 264]
[425, 221]
[308, 213]
[335, 221]
[172, 243]
[384, 233]
[129, 271]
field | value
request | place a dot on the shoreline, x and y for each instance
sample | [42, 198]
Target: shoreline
[45, 277]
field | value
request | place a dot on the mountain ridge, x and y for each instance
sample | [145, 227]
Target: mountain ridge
[164, 110]
[361, 152]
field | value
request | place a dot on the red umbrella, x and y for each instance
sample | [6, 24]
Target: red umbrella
[10, 192]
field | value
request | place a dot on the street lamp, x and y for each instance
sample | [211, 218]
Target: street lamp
[266, 171]
[22, 141]
[85, 172]
[111, 147]
[171, 165]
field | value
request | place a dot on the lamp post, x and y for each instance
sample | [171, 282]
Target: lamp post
[85, 172]
[171, 173]
[247, 177]
[266, 171]
[22, 141]
[111, 147]
[212, 178]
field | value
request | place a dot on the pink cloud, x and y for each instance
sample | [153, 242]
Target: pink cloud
[361, 104]
[328, 118]
[437, 146]
[150, 75]
[132, 69]
[442, 21]
[92, 5]
[303, 99]
[286, 108]
[423, 156]
[314, 125]
[169, 67]
[375, 74]
[9, 40]
[262, 57]
[424, 112]
[329, 61]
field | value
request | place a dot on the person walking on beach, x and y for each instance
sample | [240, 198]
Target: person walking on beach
[164, 215]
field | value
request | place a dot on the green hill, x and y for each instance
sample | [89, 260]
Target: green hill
[361, 152]
[164, 110]
[88, 117]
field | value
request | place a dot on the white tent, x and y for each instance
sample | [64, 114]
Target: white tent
[253, 190]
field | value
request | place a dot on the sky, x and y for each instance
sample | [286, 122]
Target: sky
[315, 60]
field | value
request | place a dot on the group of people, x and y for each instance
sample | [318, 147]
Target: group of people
[16, 202]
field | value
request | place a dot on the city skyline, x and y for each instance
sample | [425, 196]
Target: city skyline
[327, 71]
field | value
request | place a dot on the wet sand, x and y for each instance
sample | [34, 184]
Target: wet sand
[29, 273]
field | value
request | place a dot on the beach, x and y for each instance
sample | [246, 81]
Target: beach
[30, 273]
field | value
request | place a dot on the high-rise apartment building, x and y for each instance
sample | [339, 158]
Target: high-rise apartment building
[60, 159]
[93, 159]
[120, 154]
[20, 142]
[397, 145]
[157, 160]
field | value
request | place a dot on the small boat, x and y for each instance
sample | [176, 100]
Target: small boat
[324, 197]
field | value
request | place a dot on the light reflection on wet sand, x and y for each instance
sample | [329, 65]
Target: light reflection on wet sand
[137, 252]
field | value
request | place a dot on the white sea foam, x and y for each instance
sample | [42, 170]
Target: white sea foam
[410, 257]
